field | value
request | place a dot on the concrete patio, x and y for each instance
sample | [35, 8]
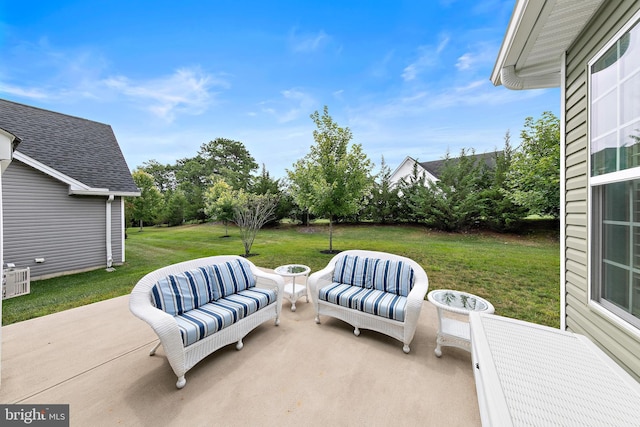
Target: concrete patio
[95, 358]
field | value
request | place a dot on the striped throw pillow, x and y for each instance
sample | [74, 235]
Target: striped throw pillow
[395, 277]
[352, 270]
[179, 293]
[233, 276]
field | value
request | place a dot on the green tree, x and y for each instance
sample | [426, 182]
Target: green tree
[454, 202]
[252, 212]
[264, 184]
[146, 207]
[175, 202]
[500, 212]
[230, 160]
[413, 194]
[534, 178]
[384, 203]
[220, 201]
[192, 178]
[164, 176]
[301, 187]
[332, 178]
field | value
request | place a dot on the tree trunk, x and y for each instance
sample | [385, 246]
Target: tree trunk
[141, 225]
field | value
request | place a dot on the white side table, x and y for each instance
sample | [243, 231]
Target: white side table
[293, 291]
[452, 331]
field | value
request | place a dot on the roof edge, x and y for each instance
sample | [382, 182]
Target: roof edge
[521, 16]
[75, 187]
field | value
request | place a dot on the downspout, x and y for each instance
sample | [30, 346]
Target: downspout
[108, 227]
[563, 195]
[123, 231]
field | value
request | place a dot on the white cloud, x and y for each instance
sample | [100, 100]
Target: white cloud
[24, 92]
[187, 91]
[465, 62]
[427, 57]
[305, 43]
[293, 105]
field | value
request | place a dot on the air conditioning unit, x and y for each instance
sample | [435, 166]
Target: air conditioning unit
[15, 282]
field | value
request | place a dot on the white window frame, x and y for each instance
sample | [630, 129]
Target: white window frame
[595, 181]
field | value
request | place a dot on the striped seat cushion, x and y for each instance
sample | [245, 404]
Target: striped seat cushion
[250, 300]
[341, 294]
[353, 270]
[383, 304]
[233, 276]
[179, 293]
[210, 318]
[395, 277]
[201, 322]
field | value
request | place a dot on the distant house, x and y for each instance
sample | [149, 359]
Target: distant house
[63, 193]
[590, 49]
[431, 170]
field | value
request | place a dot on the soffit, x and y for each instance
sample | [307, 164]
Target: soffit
[537, 36]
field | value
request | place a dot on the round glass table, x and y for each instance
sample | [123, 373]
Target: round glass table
[453, 313]
[293, 291]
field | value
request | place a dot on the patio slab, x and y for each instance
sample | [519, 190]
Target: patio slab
[95, 358]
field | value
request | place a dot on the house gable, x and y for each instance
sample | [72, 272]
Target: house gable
[431, 170]
[83, 153]
[405, 170]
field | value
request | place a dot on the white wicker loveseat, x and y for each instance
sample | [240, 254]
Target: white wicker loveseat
[196, 307]
[371, 290]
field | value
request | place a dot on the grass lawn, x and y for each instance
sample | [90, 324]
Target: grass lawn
[518, 274]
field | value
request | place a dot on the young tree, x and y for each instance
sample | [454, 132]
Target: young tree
[264, 184]
[332, 178]
[454, 202]
[534, 178]
[220, 201]
[384, 197]
[413, 193]
[146, 207]
[251, 213]
[500, 213]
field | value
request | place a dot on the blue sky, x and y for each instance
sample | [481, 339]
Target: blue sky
[409, 78]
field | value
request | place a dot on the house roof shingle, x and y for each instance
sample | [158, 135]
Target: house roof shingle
[82, 149]
[435, 167]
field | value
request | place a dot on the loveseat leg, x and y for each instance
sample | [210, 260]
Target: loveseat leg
[317, 319]
[406, 348]
[277, 321]
[356, 332]
[182, 381]
[153, 350]
[239, 345]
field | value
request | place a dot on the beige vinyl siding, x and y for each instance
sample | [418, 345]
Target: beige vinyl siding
[41, 220]
[581, 317]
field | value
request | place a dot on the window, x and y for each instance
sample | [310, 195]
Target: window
[614, 133]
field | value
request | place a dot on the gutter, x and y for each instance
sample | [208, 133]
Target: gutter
[512, 80]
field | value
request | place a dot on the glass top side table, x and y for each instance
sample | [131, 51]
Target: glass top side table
[452, 330]
[293, 291]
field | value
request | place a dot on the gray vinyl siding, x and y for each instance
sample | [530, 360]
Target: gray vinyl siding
[619, 343]
[41, 220]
